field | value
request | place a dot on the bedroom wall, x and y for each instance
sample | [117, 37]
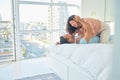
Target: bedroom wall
[100, 9]
[115, 74]
[93, 8]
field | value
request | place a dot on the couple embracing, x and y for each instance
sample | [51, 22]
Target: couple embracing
[89, 30]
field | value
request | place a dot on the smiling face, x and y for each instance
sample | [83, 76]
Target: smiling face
[74, 23]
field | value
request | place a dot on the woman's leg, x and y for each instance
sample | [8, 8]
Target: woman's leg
[105, 33]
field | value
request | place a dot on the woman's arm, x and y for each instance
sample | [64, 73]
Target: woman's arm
[88, 30]
[78, 39]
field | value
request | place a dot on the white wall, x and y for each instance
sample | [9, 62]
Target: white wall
[93, 8]
[109, 10]
[101, 9]
[115, 74]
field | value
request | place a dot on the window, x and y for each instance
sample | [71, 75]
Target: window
[76, 2]
[7, 51]
[37, 0]
[39, 23]
[34, 30]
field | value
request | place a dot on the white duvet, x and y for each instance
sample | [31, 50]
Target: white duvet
[95, 59]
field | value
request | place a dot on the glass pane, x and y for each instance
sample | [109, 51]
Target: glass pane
[34, 44]
[37, 0]
[67, 1]
[6, 32]
[57, 34]
[61, 14]
[34, 30]
[108, 11]
[34, 17]
[73, 11]
[5, 10]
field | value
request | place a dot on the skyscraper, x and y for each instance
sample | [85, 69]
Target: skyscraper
[0, 17]
[0, 20]
[63, 14]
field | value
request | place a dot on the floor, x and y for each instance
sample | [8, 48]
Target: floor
[24, 68]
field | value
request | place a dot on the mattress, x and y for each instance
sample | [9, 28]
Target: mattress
[95, 59]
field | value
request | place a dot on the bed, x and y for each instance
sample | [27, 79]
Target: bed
[81, 61]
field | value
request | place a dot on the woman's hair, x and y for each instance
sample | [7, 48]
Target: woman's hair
[63, 40]
[70, 28]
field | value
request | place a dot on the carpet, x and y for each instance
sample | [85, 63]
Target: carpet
[49, 76]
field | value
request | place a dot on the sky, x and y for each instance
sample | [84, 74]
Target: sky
[33, 13]
[27, 12]
[5, 10]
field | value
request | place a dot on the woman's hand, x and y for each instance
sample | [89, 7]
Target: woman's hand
[77, 18]
[57, 43]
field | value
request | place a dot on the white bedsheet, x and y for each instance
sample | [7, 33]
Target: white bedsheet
[94, 58]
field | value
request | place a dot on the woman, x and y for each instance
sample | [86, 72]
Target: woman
[88, 28]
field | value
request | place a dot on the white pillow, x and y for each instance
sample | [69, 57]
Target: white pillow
[82, 53]
[93, 58]
[98, 61]
[67, 50]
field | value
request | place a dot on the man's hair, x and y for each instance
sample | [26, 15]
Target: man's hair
[63, 40]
